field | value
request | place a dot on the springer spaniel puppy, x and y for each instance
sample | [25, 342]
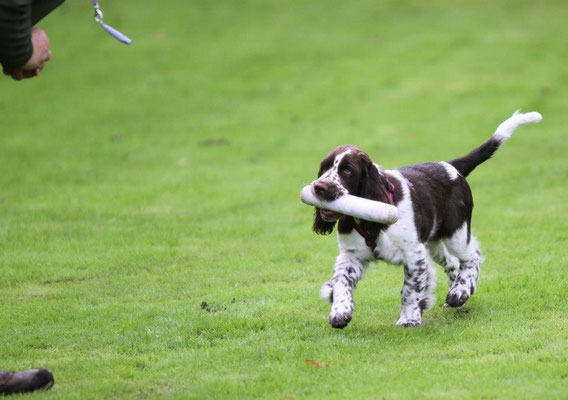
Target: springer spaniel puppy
[435, 204]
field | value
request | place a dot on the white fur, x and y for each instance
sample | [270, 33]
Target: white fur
[402, 235]
[507, 127]
[451, 170]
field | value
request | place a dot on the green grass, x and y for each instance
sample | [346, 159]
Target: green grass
[137, 183]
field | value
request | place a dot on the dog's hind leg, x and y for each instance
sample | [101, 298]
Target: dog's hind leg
[442, 256]
[338, 291]
[466, 248]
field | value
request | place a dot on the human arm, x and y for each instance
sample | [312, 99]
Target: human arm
[15, 33]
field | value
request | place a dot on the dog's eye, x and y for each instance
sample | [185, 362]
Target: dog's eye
[347, 171]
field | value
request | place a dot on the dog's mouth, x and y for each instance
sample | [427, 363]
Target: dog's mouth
[329, 215]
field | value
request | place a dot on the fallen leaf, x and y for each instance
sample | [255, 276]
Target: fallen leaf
[316, 364]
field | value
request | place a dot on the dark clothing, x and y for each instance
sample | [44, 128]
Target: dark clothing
[16, 20]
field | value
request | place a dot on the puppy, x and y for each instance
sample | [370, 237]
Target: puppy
[435, 204]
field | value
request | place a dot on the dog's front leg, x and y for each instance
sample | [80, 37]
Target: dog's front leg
[338, 291]
[419, 283]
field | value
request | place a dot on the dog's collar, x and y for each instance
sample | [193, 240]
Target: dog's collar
[370, 240]
[390, 190]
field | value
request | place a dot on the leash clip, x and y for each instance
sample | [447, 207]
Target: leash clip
[98, 14]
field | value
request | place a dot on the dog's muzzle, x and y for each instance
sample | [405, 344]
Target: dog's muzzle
[326, 191]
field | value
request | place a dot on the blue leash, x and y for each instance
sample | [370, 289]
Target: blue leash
[99, 18]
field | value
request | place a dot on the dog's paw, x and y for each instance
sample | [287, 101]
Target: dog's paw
[341, 313]
[326, 292]
[457, 296]
[339, 320]
[410, 316]
[408, 323]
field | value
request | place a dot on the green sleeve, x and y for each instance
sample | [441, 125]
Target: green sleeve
[15, 32]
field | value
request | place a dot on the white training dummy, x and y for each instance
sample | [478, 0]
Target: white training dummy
[358, 207]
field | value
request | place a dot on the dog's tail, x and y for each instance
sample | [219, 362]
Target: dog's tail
[467, 163]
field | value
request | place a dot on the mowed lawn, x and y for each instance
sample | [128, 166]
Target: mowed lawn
[152, 240]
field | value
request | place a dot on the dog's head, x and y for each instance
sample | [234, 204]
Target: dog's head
[345, 170]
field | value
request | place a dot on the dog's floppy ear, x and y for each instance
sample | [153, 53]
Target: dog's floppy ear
[320, 226]
[370, 182]
[373, 184]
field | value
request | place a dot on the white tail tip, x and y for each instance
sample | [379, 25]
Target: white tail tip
[506, 129]
[527, 118]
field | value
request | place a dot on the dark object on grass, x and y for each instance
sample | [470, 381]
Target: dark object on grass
[223, 307]
[25, 381]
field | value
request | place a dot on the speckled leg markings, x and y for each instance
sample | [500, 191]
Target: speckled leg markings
[470, 258]
[419, 283]
[339, 290]
[450, 263]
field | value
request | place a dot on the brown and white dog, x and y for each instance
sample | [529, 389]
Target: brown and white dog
[435, 204]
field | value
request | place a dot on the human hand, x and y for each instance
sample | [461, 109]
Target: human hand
[41, 54]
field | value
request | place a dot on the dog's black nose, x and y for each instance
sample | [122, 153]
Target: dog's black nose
[320, 188]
